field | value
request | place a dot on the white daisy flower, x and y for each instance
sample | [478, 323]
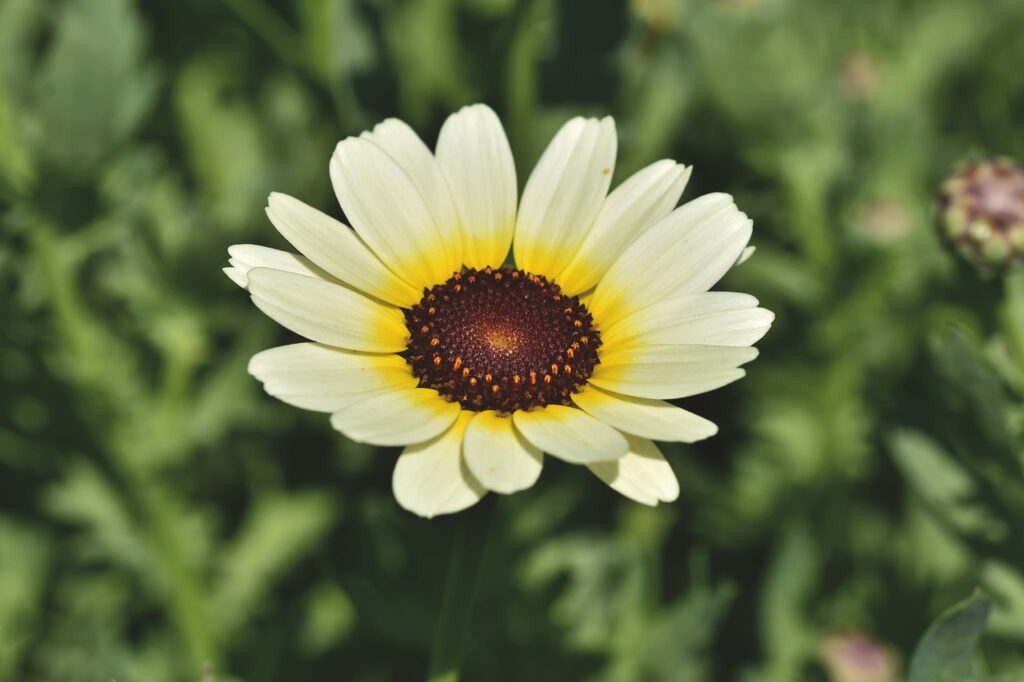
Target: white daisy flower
[422, 335]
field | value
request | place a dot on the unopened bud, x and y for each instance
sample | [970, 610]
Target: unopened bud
[859, 76]
[981, 213]
[856, 657]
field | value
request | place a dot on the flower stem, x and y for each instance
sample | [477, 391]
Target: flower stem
[468, 546]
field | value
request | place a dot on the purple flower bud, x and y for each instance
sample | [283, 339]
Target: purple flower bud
[981, 213]
[857, 657]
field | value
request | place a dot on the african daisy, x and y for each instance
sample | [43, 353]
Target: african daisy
[423, 333]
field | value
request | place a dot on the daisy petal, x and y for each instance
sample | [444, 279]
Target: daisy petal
[686, 252]
[644, 417]
[714, 318]
[570, 434]
[670, 371]
[501, 459]
[564, 195]
[403, 145]
[245, 257]
[389, 213]
[745, 256]
[336, 248]
[630, 210]
[476, 158]
[396, 417]
[642, 474]
[430, 478]
[327, 312]
[324, 379]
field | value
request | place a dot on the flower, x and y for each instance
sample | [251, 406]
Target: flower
[857, 657]
[422, 336]
[981, 213]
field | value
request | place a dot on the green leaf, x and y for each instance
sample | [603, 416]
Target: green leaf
[25, 553]
[948, 651]
[330, 618]
[279, 531]
[93, 86]
[224, 140]
[974, 390]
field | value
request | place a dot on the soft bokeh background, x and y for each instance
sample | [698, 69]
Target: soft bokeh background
[161, 519]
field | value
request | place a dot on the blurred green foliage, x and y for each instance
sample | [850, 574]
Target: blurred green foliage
[162, 519]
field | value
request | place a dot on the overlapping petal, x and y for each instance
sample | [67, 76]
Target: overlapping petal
[245, 257]
[396, 417]
[498, 456]
[431, 478]
[337, 249]
[324, 379]
[630, 210]
[642, 474]
[670, 371]
[715, 318]
[403, 145]
[686, 252]
[570, 434]
[564, 195]
[644, 417]
[326, 312]
[387, 210]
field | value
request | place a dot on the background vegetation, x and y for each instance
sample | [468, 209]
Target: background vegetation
[161, 519]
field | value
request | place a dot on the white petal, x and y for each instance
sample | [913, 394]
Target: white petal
[644, 417]
[745, 256]
[403, 145]
[630, 210]
[236, 276]
[389, 213]
[714, 318]
[642, 475]
[430, 478]
[325, 379]
[477, 160]
[245, 257]
[398, 417]
[336, 248]
[672, 371]
[564, 195]
[570, 434]
[328, 313]
[686, 252]
[499, 457]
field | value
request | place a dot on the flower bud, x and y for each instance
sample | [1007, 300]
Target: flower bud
[856, 657]
[981, 213]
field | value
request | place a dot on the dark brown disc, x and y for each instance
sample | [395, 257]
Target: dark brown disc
[501, 340]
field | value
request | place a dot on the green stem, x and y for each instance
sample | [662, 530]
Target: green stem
[270, 27]
[468, 546]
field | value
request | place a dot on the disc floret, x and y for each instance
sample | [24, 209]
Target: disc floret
[501, 339]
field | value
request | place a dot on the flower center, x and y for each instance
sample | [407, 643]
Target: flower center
[501, 340]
